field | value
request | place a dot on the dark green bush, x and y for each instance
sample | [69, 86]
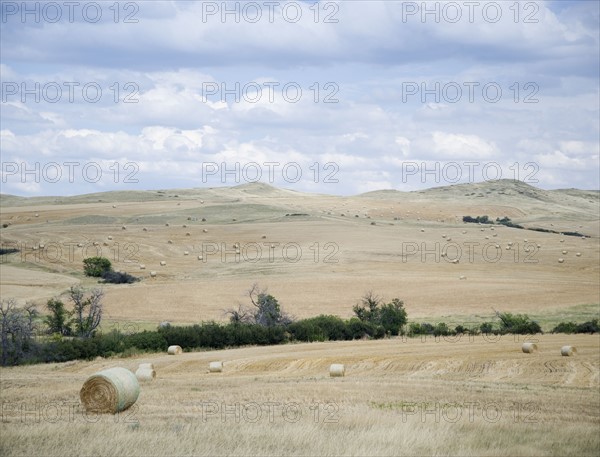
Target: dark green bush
[118, 277]
[565, 327]
[96, 266]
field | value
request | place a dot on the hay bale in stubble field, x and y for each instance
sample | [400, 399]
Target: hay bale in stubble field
[145, 374]
[337, 370]
[110, 391]
[174, 350]
[153, 274]
[561, 260]
[215, 367]
[568, 351]
[529, 348]
[162, 263]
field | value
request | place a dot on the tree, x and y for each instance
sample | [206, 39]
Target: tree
[265, 310]
[17, 326]
[391, 316]
[58, 321]
[96, 266]
[87, 311]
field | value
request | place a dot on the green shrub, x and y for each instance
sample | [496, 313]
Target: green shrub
[565, 327]
[486, 328]
[588, 327]
[96, 266]
[518, 324]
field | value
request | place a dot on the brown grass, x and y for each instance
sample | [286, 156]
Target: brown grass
[399, 397]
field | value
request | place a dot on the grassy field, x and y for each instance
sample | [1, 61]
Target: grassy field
[461, 397]
[472, 397]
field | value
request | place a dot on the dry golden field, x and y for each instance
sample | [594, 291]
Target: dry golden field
[467, 397]
[399, 397]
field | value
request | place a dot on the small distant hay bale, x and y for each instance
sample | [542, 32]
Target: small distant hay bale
[184, 226]
[464, 232]
[444, 236]
[422, 230]
[455, 261]
[538, 246]
[105, 244]
[443, 254]
[497, 246]
[562, 241]
[487, 237]
[215, 367]
[373, 223]
[462, 277]
[174, 350]
[37, 215]
[35, 248]
[114, 206]
[188, 234]
[79, 245]
[508, 248]
[164, 324]
[495, 234]
[145, 374]
[525, 240]
[272, 246]
[448, 239]
[337, 370]
[202, 202]
[561, 260]
[110, 391]
[124, 228]
[529, 348]
[200, 257]
[568, 351]
[109, 237]
[169, 241]
[578, 254]
[41, 246]
[510, 243]
[204, 231]
[142, 266]
[565, 252]
[264, 237]
[96, 243]
[186, 252]
[153, 274]
[163, 263]
[145, 229]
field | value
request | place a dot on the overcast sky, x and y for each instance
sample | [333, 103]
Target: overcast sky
[334, 97]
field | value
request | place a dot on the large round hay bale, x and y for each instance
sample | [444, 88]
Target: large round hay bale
[145, 374]
[568, 351]
[110, 391]
[337, 370]
[529, 348]
[174, 350]
[215, 367]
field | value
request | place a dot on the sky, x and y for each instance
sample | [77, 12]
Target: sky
[336, 97]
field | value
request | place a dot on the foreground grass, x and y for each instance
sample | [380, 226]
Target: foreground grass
[472, 397]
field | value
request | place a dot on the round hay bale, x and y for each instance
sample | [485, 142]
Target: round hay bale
[422, 230]
[455, 261]
[561, 260]
[162, 263]
[123, 228]
[529, 348]
[568, 351]
[188, 234]
[109, 237]
[110, 391]
[145, 374]
[565, 252]
[79, 245]
[578, 254]
[145, 229]
[448, 239]
[142, 266]
[169, 241]
[462, 277]
[215, 367]
[200, 257]
[562, 241]
[174, 350]
[464, 232]
[443, 236]
[510, 243]
[114, 206]
[337, 370]
[264, 237]
[186, 252]
[204, 231]
[184, 226]
[153, 274]
[538, 246]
